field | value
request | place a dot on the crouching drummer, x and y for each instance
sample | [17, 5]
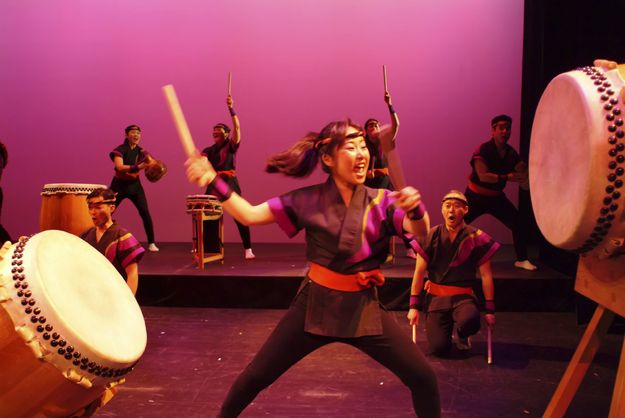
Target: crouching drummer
[119, 246]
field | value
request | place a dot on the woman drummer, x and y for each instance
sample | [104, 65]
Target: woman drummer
[348, 228]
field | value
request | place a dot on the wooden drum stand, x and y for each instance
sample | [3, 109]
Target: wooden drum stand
[602, 280]
[208, 229]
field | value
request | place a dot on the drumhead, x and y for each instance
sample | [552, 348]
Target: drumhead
[201, 197]
[71, 188]
[576, 159]
[78, 297]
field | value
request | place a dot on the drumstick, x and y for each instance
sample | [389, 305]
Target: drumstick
[385, 83]
[414, 333]
[181, 124]
[396, 172]
[229, 83]
[490, 344]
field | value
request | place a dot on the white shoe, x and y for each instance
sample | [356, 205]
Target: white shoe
[525, 264]
[152, 247]
[249, 255]
[463, 344]
[411, 254]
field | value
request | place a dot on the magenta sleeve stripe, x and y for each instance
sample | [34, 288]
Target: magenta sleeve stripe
[398, 221]
[127, 242]
[279, 214]
[489, 254]
[133, 256]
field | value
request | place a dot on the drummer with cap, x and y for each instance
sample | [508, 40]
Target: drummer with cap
[448, 259]
[119, 246]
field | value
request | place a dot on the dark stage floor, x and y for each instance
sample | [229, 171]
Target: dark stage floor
[196, 347]
[194, 354]
[170, 278]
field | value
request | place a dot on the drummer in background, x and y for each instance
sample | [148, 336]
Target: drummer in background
[452, 253]
[119, 246]
[221, 155]
[4, 157]
[494, 164]
[129, 159]
[377, 174]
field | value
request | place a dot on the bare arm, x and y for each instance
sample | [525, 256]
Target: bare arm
[488, 287]
[482, 172]
[487, 281]
[132, 279]
[518, 175]
[236, 125]
[201, 172]
[122, 168]
[416, 287]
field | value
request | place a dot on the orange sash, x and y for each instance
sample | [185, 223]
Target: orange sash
[444, 290]
[345, 282]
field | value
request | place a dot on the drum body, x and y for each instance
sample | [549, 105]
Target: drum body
[69, 326]
[208, 204]
[155, 170]
[64, 207]
[577, 160]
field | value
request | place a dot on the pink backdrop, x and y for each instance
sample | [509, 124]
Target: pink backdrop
[75, 73]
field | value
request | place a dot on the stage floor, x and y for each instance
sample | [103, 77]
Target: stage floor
[171, 278]
[194, 354]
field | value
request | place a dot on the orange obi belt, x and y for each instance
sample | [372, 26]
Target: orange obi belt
[345, 282]
[443, 290]
[483, 190]
[377, 172]
[227, 173]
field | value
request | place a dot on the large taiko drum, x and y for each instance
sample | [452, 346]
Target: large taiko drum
[577, 160]
[70, 327]
[64, 207]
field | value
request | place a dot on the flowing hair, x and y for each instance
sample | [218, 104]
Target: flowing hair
[302, 157]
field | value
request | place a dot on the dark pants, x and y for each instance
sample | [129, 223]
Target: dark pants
[4, 235]
[244, 230]
[289, 343]
[439, 325]
[502, 209]
[135, 193]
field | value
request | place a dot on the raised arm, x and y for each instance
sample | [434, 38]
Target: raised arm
[202, 173]
[236, 125]
[394, 117]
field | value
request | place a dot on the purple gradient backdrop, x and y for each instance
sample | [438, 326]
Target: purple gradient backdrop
[75, 73]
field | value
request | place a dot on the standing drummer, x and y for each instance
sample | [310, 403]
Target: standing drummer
[129, 159]
[494, 164]
[119, 246]
[378, 173]
[221, 155]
